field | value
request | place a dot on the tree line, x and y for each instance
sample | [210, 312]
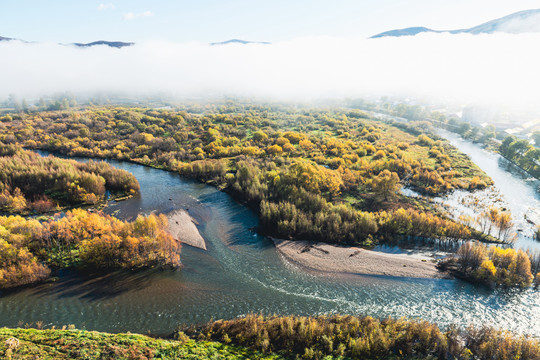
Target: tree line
[30, 182]
[518, 150]
[495, 265]
[522, 153]
[30, 249]
[354, 337]
[281, 160]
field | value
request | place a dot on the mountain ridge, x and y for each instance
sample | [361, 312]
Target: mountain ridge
[239, 41]
[114, 44]
[515, 23]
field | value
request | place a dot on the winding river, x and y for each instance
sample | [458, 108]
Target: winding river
[241, 273]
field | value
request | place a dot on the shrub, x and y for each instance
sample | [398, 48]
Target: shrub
[366, 338]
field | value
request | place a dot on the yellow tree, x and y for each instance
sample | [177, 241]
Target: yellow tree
[385, 184]
[505, 224]
[522, 270]
[274, 150]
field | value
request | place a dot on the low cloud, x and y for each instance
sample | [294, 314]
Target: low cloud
[491, 69]
[132, 16]
[108, 6]
[519, 25]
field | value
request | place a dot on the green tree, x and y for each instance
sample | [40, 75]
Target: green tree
[536, 137]
[505, 145]
[519, 147]
[260, 136]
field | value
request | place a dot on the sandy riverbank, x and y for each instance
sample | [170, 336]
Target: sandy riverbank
[182, 227]
[352, 260]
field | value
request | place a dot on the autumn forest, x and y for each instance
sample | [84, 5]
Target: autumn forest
[331, 175]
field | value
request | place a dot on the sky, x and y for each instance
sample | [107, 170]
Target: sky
[320, 50]
[66, 21]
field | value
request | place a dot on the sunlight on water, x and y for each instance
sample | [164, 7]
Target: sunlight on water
[242, 273]
[517, 188]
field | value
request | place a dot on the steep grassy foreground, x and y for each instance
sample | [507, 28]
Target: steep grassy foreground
[79, 344]
[278, 337]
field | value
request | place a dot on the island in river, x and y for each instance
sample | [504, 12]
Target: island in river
[328, 258]
[183, 228]
[240, 272]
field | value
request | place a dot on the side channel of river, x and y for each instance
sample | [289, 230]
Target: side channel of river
[518, 191]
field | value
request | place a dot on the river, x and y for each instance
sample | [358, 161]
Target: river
[518, 190]
[242, 273]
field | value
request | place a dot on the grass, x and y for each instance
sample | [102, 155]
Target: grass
[81, 344]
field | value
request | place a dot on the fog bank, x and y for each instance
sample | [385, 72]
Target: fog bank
[497, 68]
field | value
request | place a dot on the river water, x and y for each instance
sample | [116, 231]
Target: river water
[242, 273]
[516, 189]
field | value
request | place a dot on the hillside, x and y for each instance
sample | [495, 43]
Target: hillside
[81, 344]
[516, 23]
[114, 44]
[121, 44]
[238, 41]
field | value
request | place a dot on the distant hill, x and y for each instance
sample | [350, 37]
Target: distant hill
[115, 44]
[121, 44]
[404, 32]
[516, 23]
[238, 41]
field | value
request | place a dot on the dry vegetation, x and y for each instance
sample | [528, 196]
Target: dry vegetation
[68, 343]
[283, 337]
[367, 338]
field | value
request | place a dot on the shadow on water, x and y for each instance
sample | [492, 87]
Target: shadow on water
[515, 170]
[410, 244]
[240, 273]
[96, 286]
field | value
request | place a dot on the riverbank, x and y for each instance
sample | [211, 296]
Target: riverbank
[517, 188]
[353, 260]
[259, 337]
[183, 228]
[488, 146]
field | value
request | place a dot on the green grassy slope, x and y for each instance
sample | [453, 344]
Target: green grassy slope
[80, 344]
